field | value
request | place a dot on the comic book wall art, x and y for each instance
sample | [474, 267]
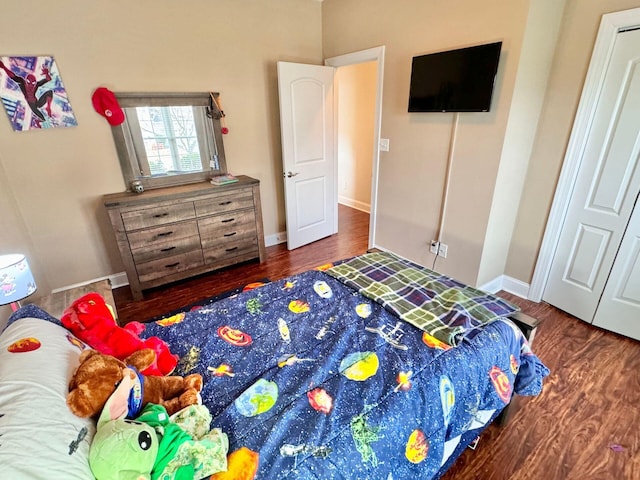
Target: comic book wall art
[33, 94]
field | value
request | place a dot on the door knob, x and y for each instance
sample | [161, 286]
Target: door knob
[290, 174]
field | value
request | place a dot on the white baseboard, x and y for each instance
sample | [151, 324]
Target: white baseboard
[350, 202]
[117, 280]
[120, 279]
[275, 239]
[493, 286]
[508, 284]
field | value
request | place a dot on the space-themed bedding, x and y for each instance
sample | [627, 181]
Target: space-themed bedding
[310, 379]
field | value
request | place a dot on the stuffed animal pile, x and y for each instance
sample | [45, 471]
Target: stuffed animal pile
[90, 319]
[151, 425]
[97, 376]
[155, 446]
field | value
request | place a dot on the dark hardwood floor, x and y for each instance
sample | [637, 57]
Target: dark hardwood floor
[586, 423]
[584, 426]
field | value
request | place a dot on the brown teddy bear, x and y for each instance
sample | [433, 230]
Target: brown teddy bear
[98, 375]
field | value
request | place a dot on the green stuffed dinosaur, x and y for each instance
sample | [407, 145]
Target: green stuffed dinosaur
[155, 447]
[122, 449]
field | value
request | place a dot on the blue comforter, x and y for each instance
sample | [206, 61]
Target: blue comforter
[325, 383]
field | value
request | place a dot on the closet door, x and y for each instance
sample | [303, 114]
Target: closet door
[605, 191]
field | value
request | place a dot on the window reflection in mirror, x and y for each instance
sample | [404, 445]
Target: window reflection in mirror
[169, 139]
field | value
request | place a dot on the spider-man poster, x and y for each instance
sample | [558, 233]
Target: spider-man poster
[33, 94]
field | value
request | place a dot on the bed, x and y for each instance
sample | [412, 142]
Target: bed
[371, 368]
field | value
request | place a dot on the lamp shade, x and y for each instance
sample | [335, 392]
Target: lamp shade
[16, 279]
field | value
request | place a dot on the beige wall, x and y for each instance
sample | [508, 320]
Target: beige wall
[538, 47]
[573, 53]
[357, 85]
[52, 180]
[412, 172]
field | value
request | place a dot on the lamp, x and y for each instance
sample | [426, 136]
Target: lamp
[16, 280]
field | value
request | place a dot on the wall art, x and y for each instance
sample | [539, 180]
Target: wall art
[33, 94]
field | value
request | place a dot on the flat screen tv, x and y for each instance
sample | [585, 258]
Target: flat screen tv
[454, 81]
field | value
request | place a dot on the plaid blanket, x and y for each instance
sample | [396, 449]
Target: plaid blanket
[439, 305]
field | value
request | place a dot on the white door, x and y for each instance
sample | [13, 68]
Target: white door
[606, 188]
[619, 308]
[308, 157]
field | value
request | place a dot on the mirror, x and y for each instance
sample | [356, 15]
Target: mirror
[169, 138]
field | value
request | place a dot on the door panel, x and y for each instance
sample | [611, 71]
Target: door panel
[312, 207]
[307, 105]
[307, 127]
[586, 257]
[605, 190]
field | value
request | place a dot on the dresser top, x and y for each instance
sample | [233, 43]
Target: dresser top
[175, 192]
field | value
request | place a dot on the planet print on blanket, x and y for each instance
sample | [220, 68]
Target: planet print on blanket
[363, 310]
[24, 345]
[417, 447]
[172, 320]
[298, 306]
[257, 399]
[234, 337]
[359, 366]
[320, 400]
[501, 383]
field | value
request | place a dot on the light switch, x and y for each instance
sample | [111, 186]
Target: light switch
[384, 144]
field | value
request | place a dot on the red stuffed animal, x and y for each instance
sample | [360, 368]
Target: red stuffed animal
[90, 319]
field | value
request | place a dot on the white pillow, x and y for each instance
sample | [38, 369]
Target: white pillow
[39, 437]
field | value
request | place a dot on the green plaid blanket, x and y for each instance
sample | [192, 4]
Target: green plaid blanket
[439, 305]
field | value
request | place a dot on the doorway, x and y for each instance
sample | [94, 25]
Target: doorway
[372, 60]
[355, 87]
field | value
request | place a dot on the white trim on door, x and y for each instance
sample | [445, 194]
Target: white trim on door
[610, 25]
[369, 55]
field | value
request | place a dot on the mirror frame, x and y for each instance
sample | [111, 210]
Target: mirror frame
[125, 145]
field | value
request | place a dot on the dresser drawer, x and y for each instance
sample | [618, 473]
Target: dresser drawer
[150, 237]
[150, 217]
[225, 203]
[222, 229]
[221, 254]
[163, 267]
[170, 248]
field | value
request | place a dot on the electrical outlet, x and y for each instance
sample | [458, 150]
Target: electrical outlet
[438, 248]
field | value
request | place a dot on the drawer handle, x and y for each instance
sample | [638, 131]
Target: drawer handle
[168, 249]
[160, 215]
[231, 249]
[230, 234]
[228, 202]
[227, 220]
[171, 265]
[165, 234]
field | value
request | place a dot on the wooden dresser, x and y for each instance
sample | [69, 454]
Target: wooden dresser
[172, 233]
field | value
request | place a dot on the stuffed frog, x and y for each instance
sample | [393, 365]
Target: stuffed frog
[122, 449]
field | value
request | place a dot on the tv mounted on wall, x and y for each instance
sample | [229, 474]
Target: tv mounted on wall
[454, 81]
